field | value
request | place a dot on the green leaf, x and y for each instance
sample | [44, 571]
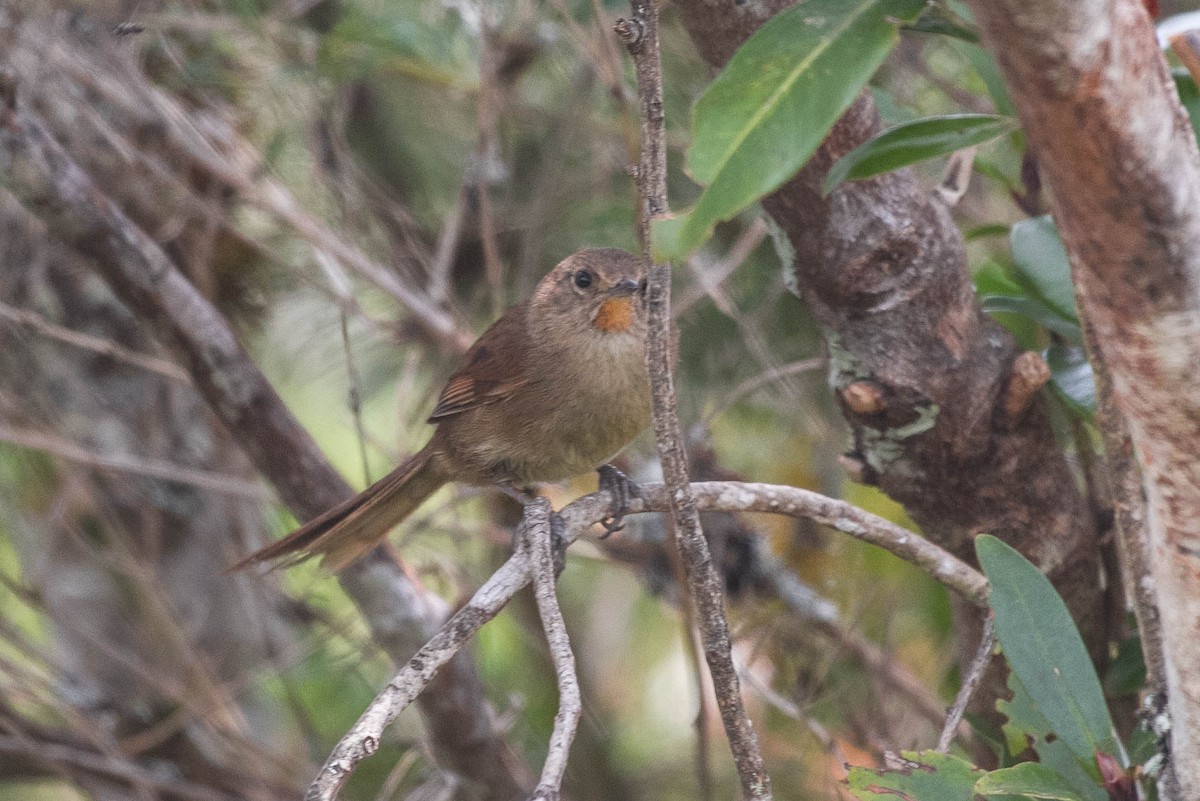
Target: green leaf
[1034, 309]
[986, 230]
[941, 20]
[761, 119]
[1026, 732]
[1189, 96]
[1029, 779]
[916, 141]
[1126, 673]
[1040, 257]
[981, 59]
[929, 776]
[1071, 378]
[1045, 651]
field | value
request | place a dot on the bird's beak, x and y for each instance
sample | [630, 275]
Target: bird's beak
[626, 286]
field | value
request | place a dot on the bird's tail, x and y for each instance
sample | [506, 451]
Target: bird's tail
[346, 532]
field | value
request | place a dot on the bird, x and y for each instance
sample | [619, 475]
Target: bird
[555, 388]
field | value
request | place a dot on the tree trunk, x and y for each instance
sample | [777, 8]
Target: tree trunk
[1119, 155]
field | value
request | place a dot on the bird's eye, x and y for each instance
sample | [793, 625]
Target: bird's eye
[583, 279]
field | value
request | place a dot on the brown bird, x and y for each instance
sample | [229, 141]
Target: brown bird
[555, 388]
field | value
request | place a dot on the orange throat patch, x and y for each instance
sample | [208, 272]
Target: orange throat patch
[614, 315]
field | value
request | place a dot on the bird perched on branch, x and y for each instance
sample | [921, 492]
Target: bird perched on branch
[556, 387]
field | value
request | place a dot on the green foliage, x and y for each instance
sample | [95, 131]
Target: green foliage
[927, 776]
[1041, 258]
[1044, 649]
[1029, 780]
[1189, 96]
[1071, 378]
[761, 119]
[1027, 733]
[940, 19]
[1039, 290]
[1056, 715]
[916, 141]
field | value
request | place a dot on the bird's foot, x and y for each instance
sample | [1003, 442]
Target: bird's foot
[623, 491]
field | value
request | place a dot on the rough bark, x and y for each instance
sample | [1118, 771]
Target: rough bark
[884, 272]
[1120, 158]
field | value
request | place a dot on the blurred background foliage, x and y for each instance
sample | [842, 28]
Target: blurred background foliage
[467, 146]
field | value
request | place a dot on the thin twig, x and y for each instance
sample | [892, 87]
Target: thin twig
[105, 347]
[792, 710]
[709, 279]
[755, 383]
[640, 35]
[363, 739]
[339, 284]
[44, 177]
[150, 783]
[488, 107]
[238, 165]
[538, 540]
[447, 245]
[983, 657]
[704, 774]
[134, 465]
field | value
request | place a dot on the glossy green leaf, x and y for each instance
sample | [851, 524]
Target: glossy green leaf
[1040, 257]
[929, 776]
[1045, 651]
[1029, 780]
[1028, 734]
[761, 119]
[1071, 378]
[916, 141]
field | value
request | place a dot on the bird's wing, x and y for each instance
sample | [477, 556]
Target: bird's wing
[489, 372]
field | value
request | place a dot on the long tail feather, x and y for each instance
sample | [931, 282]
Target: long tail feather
[347, 531]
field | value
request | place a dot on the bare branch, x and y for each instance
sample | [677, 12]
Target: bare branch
[141, 466]
[364, 737]
[983, 657]
[36, 322]
[538, 540]
[710, 496]
[640, 35]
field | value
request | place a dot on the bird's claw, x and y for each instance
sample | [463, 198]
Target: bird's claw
[623, 491]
